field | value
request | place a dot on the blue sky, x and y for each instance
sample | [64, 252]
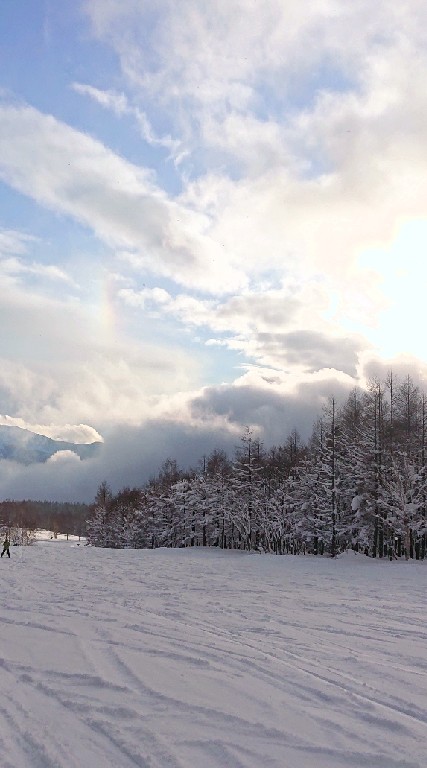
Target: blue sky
[211, 216]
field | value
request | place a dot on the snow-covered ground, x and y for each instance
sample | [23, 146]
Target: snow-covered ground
[208, 659]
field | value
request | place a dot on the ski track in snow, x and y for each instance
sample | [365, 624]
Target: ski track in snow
[208, 659]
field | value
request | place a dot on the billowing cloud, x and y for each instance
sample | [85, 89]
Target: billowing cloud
[111, 386]
[267, 326]
[273, 412]
[311, 351]
[212, 419]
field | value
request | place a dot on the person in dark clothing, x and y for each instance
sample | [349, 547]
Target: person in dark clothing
[6, 547]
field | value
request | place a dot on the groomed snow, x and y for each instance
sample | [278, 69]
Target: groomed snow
[209, 659]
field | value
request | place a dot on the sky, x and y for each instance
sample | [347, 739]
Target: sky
[212, 216]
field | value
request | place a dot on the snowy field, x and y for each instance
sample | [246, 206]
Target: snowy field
[207, 659]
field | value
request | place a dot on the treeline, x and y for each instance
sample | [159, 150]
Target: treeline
[68, 518]
[360, 482]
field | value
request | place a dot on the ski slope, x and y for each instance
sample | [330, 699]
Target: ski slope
[209, 659]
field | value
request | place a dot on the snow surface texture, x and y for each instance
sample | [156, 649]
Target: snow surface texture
[210, 659]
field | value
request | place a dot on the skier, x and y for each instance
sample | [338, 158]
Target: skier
[6, 545]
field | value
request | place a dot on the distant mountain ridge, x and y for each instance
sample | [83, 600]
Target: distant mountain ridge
[27, 447]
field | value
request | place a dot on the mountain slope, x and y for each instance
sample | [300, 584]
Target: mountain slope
[30, 448]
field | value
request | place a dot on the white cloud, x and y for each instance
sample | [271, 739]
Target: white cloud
[210, 52]
[14, 267]
[282, 328]
[70, 172]
[68, 365]
[113, 100]
[63, 457]
[14, 242]
[108, 387]
[119, 104]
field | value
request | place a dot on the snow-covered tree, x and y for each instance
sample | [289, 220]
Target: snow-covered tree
[97, 524]
[360, 482]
